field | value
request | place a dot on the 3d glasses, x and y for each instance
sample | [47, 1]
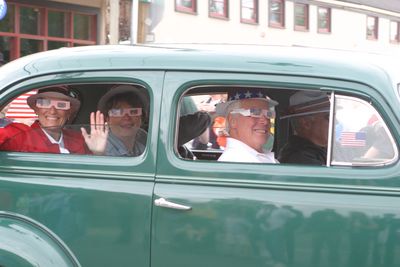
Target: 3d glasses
[120, 112]
[48, 103]
[254, 112]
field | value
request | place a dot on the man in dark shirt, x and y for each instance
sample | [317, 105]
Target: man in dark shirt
[309, 115]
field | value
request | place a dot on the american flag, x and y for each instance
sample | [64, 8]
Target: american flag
[19, 109]
[355, 139]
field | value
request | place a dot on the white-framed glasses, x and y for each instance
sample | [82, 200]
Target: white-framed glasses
[120, 112]
[254, 112]
[48, 103]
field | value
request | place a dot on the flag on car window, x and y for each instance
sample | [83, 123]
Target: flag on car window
[353, 139]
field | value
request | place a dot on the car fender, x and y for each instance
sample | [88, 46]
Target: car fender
[25, 242]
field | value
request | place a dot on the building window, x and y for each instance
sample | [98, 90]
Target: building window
[28, 29]
[249, 11]
[372, 28]
[188, 6]
[324, 20]
[218, 8]
[277, 13]
[301, 17]
[395, 31]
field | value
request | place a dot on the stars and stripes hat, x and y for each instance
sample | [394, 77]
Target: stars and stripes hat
[242, 94]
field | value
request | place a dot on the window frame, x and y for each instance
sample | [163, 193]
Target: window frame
[281, 13]
[181, 8]
[374, 33]
[328, 20]
[305, 8]
[225, 15]
[255, 13]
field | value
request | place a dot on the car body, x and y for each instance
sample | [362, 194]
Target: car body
[161, 209]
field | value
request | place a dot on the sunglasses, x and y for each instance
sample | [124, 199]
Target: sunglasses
[48, 103]
[254, 112]
[120, 112]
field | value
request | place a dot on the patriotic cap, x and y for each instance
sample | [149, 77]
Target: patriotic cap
[243, 94]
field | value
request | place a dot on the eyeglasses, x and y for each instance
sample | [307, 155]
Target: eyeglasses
[48, 103]
[254, 112]
[120, 112]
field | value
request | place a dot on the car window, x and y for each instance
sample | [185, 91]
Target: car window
[298, 133]
[63, 119]
[361, 137]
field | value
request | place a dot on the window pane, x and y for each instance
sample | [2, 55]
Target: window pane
[7, 23]
[29, 20]
[58, 24]
[82, 26]
[361, 136]
[394, 31]
[29, 46]
[249, 10]
[372, 27]
[276, 12]
[300, 15]
[5, 43]
[54, 45]
[185, 3]
[217, 7]
[323, 19]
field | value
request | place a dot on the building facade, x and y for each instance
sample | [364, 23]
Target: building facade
[37, 25]
[360, 25]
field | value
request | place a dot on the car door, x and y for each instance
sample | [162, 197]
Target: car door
[212, 213]
[90, 210]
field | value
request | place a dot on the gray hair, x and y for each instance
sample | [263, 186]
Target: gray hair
[235, 104]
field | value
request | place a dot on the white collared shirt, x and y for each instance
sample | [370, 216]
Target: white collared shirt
[237, 151]
[60, 142]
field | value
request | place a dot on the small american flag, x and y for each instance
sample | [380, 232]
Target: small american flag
[355, 139]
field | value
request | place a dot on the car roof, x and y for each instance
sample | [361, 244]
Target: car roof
[376, 70]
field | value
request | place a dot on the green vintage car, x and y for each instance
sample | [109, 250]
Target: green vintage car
[176, 204]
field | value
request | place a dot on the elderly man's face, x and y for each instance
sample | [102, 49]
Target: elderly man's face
[318, 129]
[314, 128]
[252, 131]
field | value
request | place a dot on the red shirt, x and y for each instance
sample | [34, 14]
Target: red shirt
[22, 138]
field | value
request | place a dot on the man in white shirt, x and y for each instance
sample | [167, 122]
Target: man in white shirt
[248, 122]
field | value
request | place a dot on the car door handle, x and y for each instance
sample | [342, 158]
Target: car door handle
[162, 202]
